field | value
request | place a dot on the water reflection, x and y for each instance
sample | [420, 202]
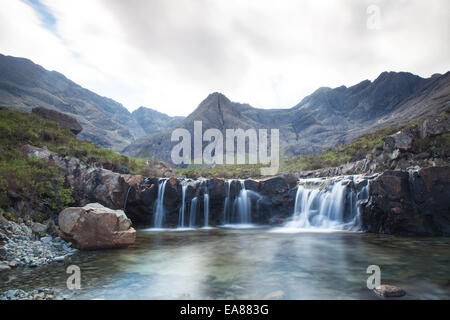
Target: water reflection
[251, 264]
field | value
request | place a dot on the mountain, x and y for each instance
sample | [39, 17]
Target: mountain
[152, 121]
[324, 119]
[25, 85]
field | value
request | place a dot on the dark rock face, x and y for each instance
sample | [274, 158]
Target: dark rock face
[62, 119]
[414, 203]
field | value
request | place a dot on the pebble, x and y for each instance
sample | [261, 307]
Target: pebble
[36, 294]
[4, 267]
[23, 251]
[46, 239]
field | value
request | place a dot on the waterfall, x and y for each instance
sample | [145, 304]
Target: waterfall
[193, 212]
[206, 209]
[183, 207]
[226, 206]
[243, 205]
[334, 207]
[159, 212]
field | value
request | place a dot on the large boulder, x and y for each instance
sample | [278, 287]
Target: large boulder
[62, 119]
[95, 226]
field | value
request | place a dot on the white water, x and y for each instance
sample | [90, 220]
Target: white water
[238, 212]
[183, 207]
[335, 208]
[243, 205]
[159, 212]
[193, 212]
[206, 209]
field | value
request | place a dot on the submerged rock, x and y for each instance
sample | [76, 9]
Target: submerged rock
[276, 295]
[95, 226]
[388, 291]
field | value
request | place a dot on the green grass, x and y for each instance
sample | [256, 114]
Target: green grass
[353, 151]
[38, 180]
[340, 155]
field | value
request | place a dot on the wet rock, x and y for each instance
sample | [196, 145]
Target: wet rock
[388, 291]
[39, 228]
[46, 239]
[4, 268]
[409, 203]
[36, 294]
[276, 295]
[95, 226]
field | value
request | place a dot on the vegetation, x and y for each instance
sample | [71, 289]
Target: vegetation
[340, 155]
[353, 151]
[31, 178]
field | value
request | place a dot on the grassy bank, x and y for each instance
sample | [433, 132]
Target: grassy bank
[32, 179]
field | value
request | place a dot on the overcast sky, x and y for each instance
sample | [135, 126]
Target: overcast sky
[170, 54]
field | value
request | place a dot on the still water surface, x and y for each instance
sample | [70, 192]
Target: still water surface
[252, 264]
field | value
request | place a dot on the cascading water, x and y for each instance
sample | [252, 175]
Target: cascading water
[159, 212]
[183, 207]
[243, 205]
[239, 211]
[206, 209]
[331, 208]
[193, 212]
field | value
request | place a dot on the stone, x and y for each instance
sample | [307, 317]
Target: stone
[46, 239]
[4, 268]
[276, 295]
[62, 119]
[388, 291]
[414, 203]
[39, 228]
[12, 264]
[59, 259]
[95, 226]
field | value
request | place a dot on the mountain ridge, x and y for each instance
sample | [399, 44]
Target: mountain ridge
[25, 85]
[326, 118]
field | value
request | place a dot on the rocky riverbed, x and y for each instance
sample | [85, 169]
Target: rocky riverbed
[29, 245]
[36, 294]
[24, 248]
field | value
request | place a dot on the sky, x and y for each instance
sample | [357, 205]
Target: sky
[170, 54]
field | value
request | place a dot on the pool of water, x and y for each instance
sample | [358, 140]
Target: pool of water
[253, 263]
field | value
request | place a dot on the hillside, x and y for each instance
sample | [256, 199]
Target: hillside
[25, 85]
[38, 182]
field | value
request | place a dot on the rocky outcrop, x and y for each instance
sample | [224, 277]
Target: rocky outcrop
[95, 226]
[424, 144]
[409, 203]
[413, 202]
[62, 119]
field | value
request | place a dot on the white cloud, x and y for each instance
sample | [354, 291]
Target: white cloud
[169, 55]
